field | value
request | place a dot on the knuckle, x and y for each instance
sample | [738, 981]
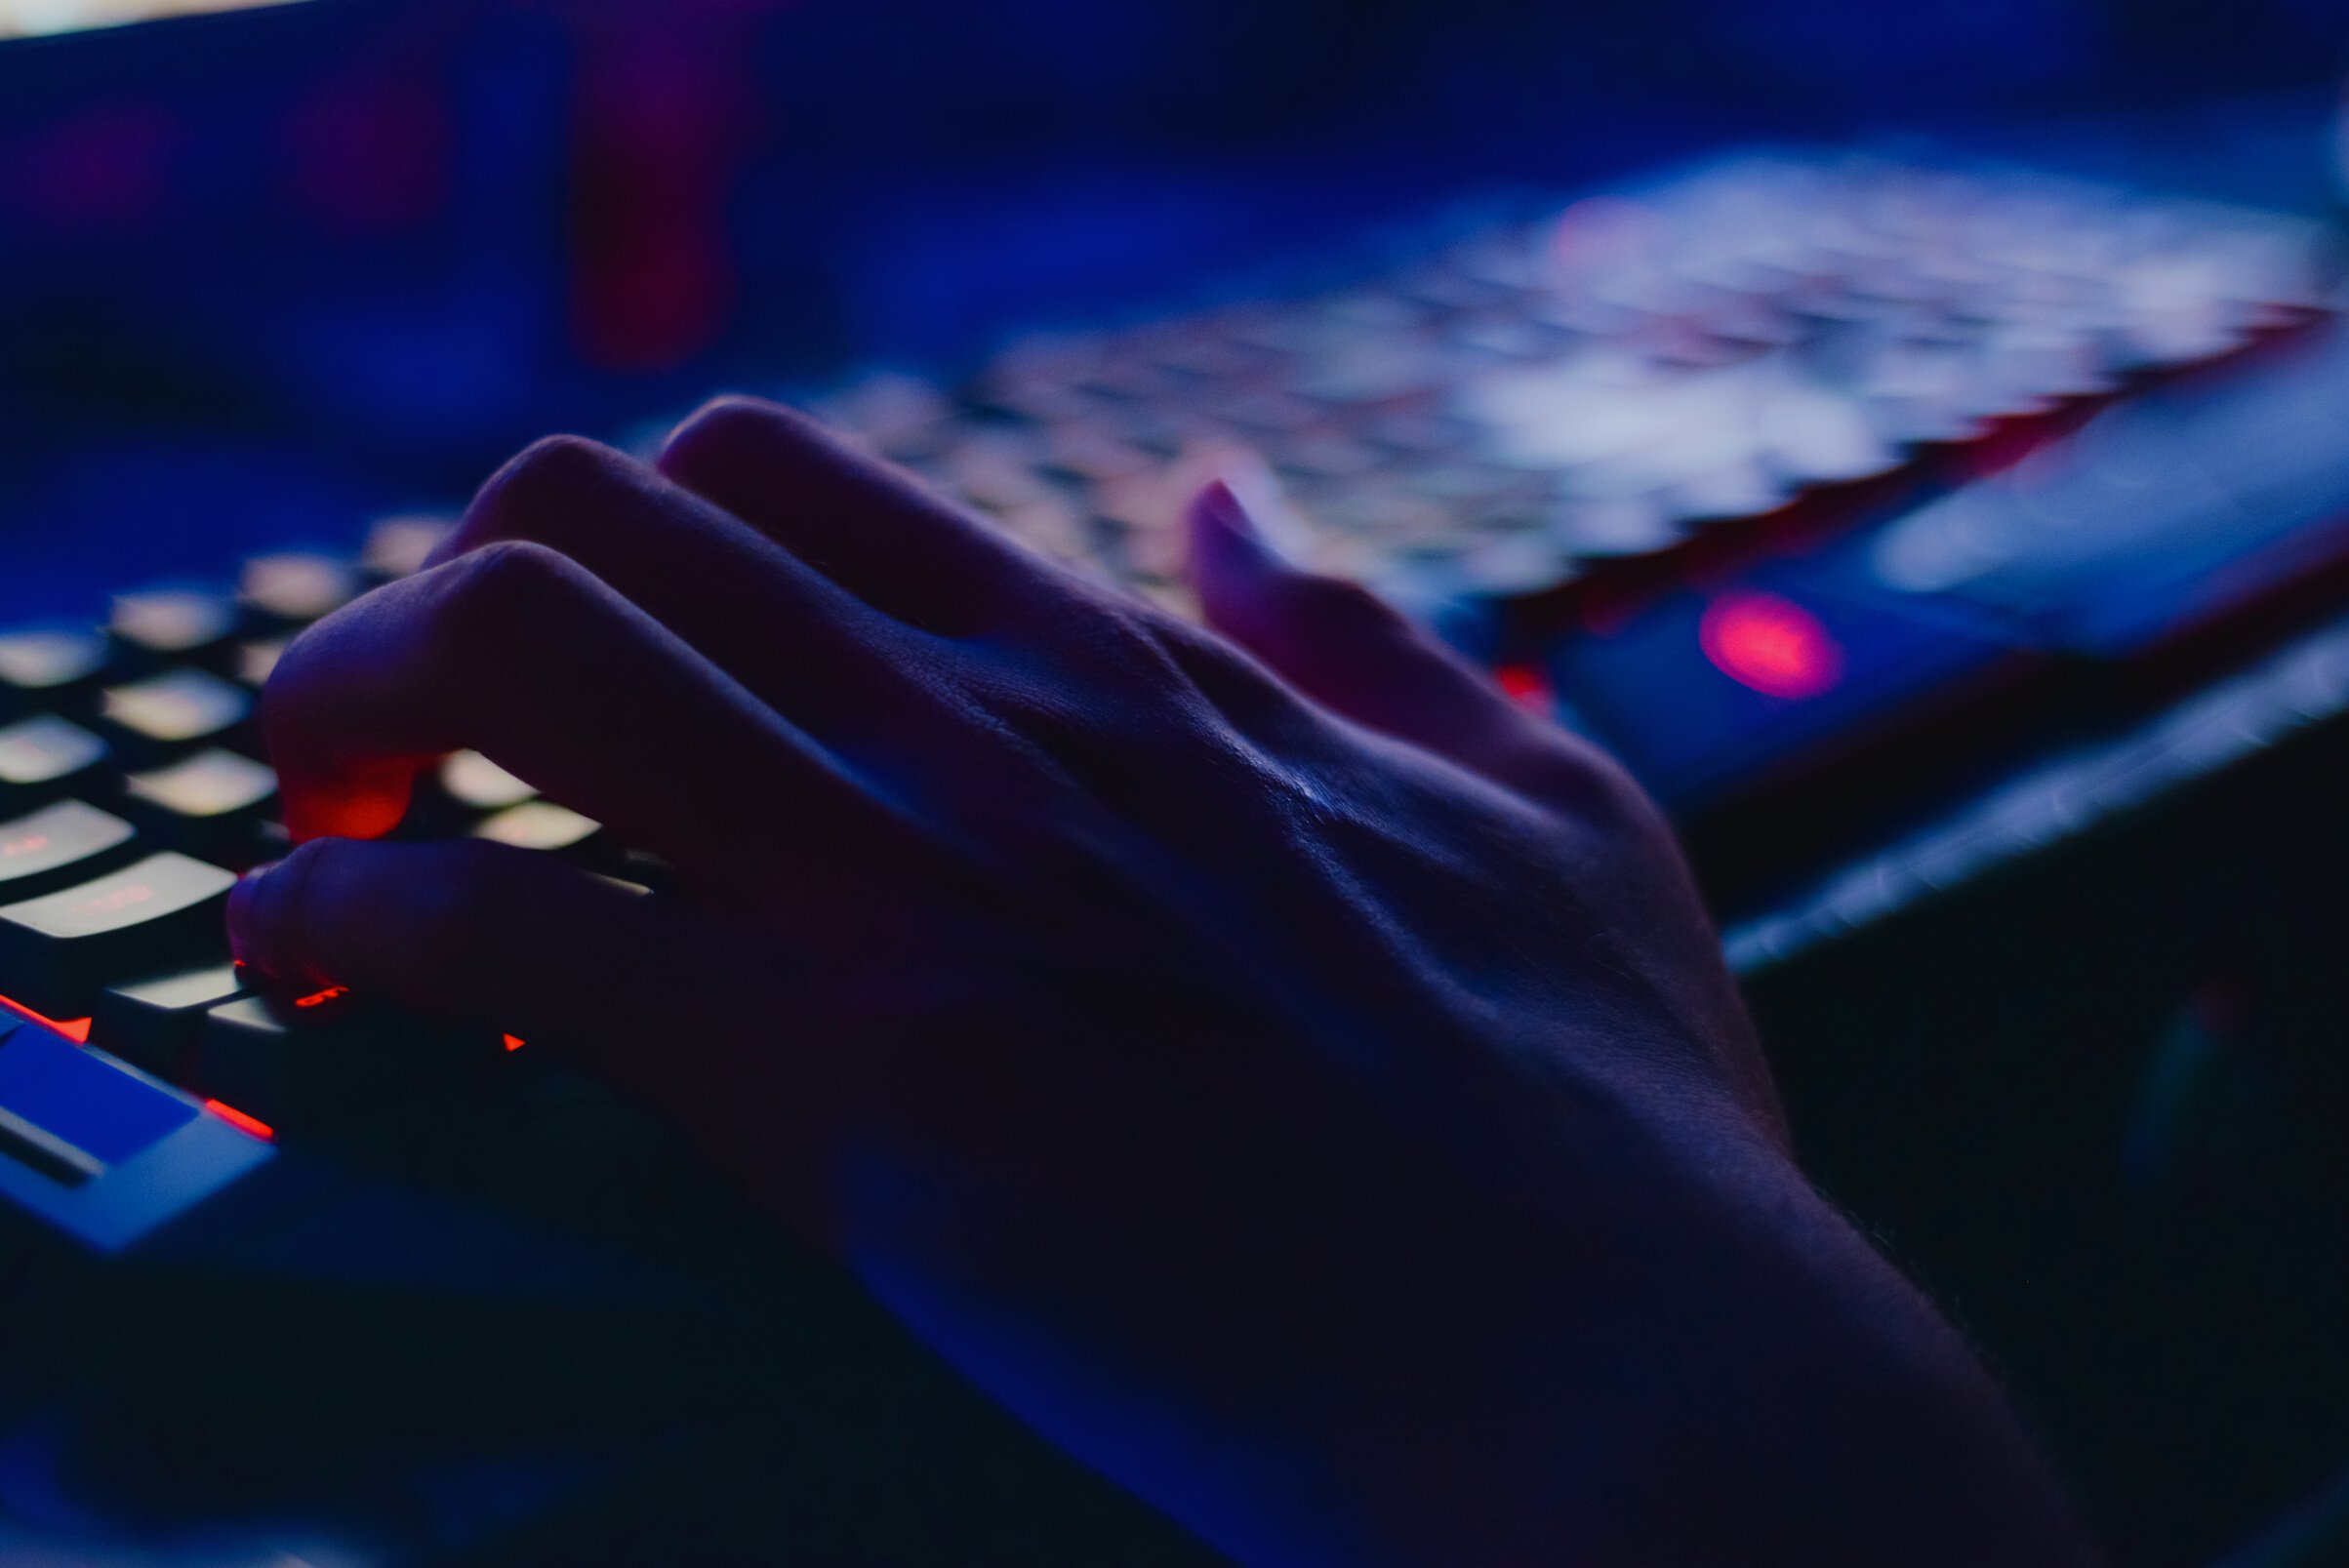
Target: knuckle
[502, 585]
[731, 425]
[555, 486]
[553, 471]
[1589, 786]
[723, 419]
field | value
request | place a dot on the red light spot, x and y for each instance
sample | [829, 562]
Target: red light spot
[512, 1043]
[30, 844]
[240, 1122]
[121, 897]
[76, 1029]
[1771, 644]
[1523, 685]
[321, 998]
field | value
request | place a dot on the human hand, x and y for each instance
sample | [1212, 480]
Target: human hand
[1298, 1082]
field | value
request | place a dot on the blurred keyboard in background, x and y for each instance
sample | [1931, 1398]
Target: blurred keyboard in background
[1531, 405]
[1614, 448]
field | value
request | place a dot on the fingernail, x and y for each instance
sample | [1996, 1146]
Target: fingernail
[244, 918]
[1247, 501]
[1221, 502]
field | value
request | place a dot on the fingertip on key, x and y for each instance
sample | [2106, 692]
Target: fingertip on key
[245, 914]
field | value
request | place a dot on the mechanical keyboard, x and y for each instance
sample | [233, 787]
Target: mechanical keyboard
[292, 1272]
[1778, 439]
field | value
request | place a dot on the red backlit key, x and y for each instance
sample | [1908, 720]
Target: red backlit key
[58, 951]
[56, 847]
[45, 756]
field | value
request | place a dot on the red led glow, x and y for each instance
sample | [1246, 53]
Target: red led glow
[1771, 644]
[321, 998]
[240, 1122]
[512, 1042]
[73, 1028]
[1523, 685]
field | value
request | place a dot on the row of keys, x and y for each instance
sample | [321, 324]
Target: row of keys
[188, 630]
[131, 791]
[212, 801]
[300, 1064]
[1606, 382]
[61, 896]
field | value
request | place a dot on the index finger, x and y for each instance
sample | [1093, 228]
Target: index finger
[522, 655]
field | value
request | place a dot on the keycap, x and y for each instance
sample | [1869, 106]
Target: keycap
[293, 587]
[398, 547]
[59, 846]
[540, 824]
[153, 1023]
[72, 1114]
[172, 624]
[45, 756]
[49, 667]
[243, 1048]
[257, 660]
[210, 805]
[327, 1065]
[473, 780]
[58, 951]
[154, 718]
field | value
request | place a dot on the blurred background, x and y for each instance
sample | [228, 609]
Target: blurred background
[1915, 438]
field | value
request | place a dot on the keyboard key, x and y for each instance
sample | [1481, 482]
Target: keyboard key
[153, 718]
[295, 587]
[243, 1049]
[540, 824]
[644, 872]
[43, 757]
[56, 847]
[471, 780]
[48, 667]
[209, 805]
[256, 662]
[396, 547]
[327, 1065]
[160, 625]
[57, 1099]
[153, 1023]
[58, 951]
